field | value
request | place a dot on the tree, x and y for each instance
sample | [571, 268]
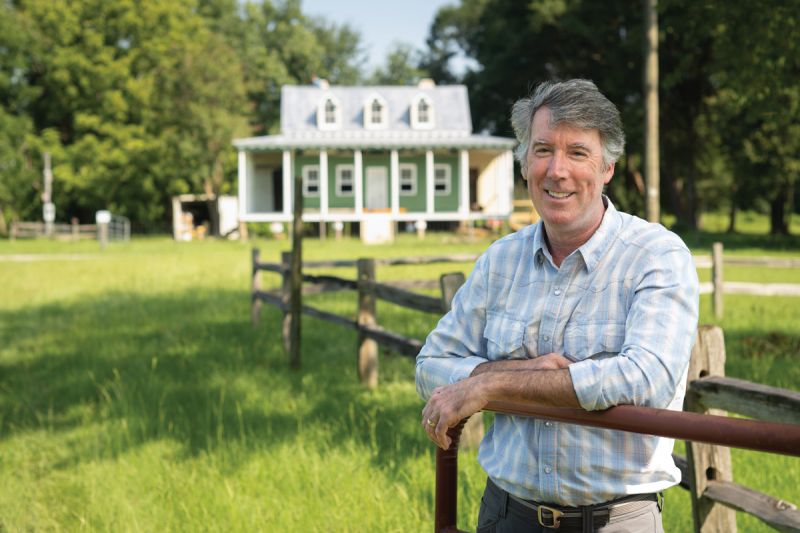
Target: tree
[401, 67]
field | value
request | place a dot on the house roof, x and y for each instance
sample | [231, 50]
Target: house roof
[452, 126]
[299, 106]
[362, 140]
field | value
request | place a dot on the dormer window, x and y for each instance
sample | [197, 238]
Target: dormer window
[376, 113]
[329, 114]
[422, 114]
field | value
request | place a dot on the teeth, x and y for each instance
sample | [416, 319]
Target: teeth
[558, 194]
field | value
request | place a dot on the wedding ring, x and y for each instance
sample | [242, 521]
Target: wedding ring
[431, 422]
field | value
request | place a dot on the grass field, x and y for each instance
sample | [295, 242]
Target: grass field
[135, 396]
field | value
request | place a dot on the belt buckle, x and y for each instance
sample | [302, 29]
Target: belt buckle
[557, 515]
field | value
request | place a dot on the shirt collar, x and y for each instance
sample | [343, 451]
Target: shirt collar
[592, 250]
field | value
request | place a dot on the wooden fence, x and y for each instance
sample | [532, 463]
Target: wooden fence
[34, 230]
[706, 469]
[717, 287]
[370, 333]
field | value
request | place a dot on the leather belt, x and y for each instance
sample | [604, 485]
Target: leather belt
[550, 515]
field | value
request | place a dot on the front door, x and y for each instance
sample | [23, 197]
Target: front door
[377, 188]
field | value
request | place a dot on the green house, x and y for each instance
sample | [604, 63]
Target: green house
[398, 153]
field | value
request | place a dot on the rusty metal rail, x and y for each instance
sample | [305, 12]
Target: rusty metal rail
[712, 429]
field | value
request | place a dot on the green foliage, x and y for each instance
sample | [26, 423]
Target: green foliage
[145, 97]
[401, 67]
[729, 100]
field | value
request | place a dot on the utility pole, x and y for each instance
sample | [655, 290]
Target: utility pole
[650, 89]
[49, 208]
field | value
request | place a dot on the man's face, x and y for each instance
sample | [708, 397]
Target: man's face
[566, 175]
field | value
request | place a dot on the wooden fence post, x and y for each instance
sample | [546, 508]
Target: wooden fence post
[14, 230]
[255, 304]
[472, 434]
[716, 279]
[708, 462]
[76, 231]
[286, 301]
[367, 348]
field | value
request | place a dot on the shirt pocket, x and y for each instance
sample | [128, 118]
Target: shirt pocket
[595, 340]
[504, 337]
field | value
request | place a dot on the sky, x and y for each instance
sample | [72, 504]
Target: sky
[380, 23]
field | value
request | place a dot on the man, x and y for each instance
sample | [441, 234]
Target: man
[588, 308]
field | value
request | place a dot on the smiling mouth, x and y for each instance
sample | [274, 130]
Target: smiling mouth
[558, 195]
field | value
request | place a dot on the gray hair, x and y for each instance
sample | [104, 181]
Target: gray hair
[577, 103]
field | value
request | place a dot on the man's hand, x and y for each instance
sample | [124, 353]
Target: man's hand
[448, 405]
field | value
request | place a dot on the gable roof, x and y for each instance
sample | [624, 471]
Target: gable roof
[299, 107]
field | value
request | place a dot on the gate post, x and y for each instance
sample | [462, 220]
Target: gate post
[367, 348]
[286, 299]
[717, 281]
[255, 305]
[707, 462]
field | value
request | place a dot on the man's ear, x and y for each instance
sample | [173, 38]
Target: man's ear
[609, 173]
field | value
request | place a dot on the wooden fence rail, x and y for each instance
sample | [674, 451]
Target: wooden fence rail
[33, 230]
[706, 470]
[717, 287]
[369, 291]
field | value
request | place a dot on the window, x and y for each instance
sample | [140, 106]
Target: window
[422, 112]
[329, 113]
[376, 114]
[441, 180]
[311, 180]
[408, 179]
[345, 181]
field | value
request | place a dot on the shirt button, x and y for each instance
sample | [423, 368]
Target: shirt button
[547, 469]
[557, 292]
[546, 338]
[548, 423]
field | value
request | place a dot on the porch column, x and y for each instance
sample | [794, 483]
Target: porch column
[358, 177]
[323, 185]
[288, 182]
[508, 182]
[394, 175]
[242, 183]
[429, 189]
[463, 188]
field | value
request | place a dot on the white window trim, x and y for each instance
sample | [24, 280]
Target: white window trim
[368, 115]
[414, 113]
[306, 179]
[321, 124]
[448, 172]
[414, 178]
[339, 180]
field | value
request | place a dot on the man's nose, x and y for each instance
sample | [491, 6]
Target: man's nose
[557, 168]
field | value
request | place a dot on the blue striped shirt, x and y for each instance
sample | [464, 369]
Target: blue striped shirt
[623, 307]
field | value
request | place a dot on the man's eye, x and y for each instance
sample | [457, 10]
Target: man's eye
[579, 153]
[541, 151]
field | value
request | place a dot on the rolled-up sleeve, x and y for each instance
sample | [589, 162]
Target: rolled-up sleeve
[659, 335]
[457, 345]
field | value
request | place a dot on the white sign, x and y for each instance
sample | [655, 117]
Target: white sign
[49, 212]
[102, 217]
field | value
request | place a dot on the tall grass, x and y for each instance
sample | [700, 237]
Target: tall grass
[135, 396]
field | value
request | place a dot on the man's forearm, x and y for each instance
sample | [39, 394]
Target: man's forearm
[512, 381]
